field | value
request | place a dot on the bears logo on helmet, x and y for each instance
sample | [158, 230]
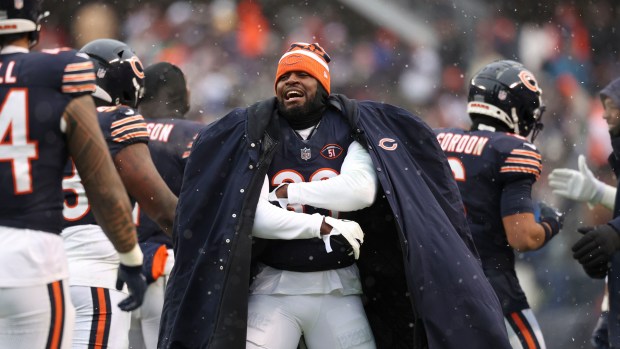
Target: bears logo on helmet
[509, 93]
[120, 74]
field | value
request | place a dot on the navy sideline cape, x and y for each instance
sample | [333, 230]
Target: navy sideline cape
[423, 283]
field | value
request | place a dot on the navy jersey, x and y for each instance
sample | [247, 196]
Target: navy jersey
[297, 160]
[35, 89]
[121, 126]
[169, 141]
[483, 164]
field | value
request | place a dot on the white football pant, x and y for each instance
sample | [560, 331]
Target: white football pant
[524, 331]
[326, 321]
[36, 316]
[99, 322]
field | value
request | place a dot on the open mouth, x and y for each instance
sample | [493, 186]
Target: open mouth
[292, 95]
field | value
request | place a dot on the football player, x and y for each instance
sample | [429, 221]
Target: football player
[295, 150]
[304, 286]
[47, 113]
[165, 103]
[495, 166]
[93, 264]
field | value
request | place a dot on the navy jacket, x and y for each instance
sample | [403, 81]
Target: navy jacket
[613, 275]
[418, 263]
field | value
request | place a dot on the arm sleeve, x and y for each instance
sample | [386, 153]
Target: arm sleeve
[517, 197]
[353, 189]
[272, 222]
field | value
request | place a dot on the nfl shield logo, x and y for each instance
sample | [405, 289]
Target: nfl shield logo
[305, 154]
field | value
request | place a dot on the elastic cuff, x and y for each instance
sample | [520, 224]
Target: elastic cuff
[598, 193]
[133, 258]
[293, 193]
[316, 220]
[609, 196]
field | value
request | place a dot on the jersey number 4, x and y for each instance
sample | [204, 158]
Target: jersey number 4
[15, 146]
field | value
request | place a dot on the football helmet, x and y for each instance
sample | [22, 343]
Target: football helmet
[506, 91]
[120, 74]
[22, 16]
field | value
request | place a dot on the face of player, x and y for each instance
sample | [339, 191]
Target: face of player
[612, 114]
[296, 91]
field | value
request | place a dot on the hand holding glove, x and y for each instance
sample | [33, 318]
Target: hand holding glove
[594, 250]
[581, 185]
[349, 230]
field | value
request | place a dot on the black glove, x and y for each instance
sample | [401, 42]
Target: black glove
[600, 335]
[593, 251]
[135, 283]
[553, 217]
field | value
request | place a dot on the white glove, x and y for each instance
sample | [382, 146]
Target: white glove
[581, 185]
[282, 201]
[350, 230]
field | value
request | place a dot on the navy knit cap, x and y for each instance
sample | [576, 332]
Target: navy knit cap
[612, 90]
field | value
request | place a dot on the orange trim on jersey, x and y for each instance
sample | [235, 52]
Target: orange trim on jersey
[130, 136]
[326, 169]
[159, 262]
[530, 153]
[527, 335]
[138, 126]
[124, 121]
[71, 67]
[101, 326]
[520, 169]
[286, 180]
[185, 154]
[78, 77]
[523, 161]
[57, 321]
[78, 88]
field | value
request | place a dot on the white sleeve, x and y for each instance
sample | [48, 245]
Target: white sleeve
[353, 189]
[609, 196]
[272, 222]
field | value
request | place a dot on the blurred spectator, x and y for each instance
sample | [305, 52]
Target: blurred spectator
[96, 20]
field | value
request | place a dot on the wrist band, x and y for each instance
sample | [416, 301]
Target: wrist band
[132, 258]
[552, 228]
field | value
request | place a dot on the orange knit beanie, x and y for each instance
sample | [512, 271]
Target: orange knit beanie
[309, 58]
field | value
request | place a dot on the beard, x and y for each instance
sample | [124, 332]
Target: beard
[306, 115]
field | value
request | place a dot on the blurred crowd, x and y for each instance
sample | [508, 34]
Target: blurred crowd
[229, 50]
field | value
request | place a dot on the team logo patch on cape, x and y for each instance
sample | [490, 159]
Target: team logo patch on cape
[388, 144]
[331, 151]
[305, 154]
